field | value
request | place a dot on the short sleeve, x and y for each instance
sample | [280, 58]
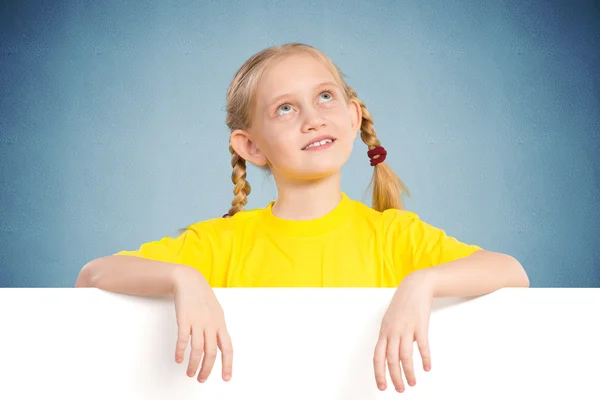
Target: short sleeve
[195, 247]
[415, 244]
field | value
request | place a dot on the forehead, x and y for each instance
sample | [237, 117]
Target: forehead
[292, 73]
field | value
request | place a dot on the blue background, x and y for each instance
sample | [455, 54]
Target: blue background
[112, 127]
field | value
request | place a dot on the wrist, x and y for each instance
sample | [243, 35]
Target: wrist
[426, 278]
[184, 275]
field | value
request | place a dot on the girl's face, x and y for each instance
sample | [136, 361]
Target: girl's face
[303, 128]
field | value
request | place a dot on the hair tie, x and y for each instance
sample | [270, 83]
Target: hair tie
[377, 151]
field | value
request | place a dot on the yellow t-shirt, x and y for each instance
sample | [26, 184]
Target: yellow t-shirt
[351, 246]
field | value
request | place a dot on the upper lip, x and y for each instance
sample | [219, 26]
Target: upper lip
[318, 139]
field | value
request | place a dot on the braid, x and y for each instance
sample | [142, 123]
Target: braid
[367, 129]
[387, 186]
[242, 187]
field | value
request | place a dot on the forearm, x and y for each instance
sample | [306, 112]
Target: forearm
[134, 275]
[480, 273]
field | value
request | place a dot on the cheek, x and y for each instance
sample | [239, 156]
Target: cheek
[279, 145]
[339, 113]
[343, 124]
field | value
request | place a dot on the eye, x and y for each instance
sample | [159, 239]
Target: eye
[284, 109]
[326, 96]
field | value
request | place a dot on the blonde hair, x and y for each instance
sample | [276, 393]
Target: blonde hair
[241, 96]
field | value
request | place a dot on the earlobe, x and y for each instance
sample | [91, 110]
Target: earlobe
[245, 147]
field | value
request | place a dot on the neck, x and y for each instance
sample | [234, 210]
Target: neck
[308, 200]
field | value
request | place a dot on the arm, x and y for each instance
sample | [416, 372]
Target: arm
[135, 275]
[435, 265]
[447, 266]
[155, 266]
[199, 316]
[407, 317]
[480, 273]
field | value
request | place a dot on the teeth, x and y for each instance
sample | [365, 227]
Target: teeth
[321, 143]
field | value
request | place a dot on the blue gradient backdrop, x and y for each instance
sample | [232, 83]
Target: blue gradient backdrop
[112, 125]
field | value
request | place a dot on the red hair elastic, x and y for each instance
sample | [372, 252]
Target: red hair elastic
[377, 151]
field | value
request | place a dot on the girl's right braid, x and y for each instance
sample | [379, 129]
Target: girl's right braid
[242, 187]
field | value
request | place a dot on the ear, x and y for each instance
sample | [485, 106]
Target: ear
[355, 115]
[246, 148]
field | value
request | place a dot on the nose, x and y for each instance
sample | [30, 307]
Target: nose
[313, 122]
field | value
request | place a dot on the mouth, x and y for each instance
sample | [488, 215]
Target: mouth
[320, 142]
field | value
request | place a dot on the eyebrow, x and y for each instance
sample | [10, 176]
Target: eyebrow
[276, 99]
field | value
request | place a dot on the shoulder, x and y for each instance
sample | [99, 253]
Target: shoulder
[389, 219]
[220, 226]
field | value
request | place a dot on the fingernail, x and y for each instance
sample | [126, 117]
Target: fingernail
[202, 380]
[381, 387]
[227, 377]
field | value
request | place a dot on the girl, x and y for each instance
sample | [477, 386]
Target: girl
[290, 110]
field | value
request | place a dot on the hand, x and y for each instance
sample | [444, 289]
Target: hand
[200, 315]
[406, 320]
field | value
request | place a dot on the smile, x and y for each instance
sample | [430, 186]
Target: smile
[319, 143]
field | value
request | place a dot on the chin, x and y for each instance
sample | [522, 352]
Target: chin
[320, 167]
[320, 172]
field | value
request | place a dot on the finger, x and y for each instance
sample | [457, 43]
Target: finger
[406, 357]
[393, 363]
[379, 363]
[197, 350]
[183, 337]
[423, 345]
[210, 354]
[224, 343]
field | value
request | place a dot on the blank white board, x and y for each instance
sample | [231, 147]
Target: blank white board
[298, 344]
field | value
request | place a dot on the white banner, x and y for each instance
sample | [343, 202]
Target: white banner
[309, 344]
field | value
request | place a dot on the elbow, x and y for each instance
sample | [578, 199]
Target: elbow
[519, 276]
[88, 276]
